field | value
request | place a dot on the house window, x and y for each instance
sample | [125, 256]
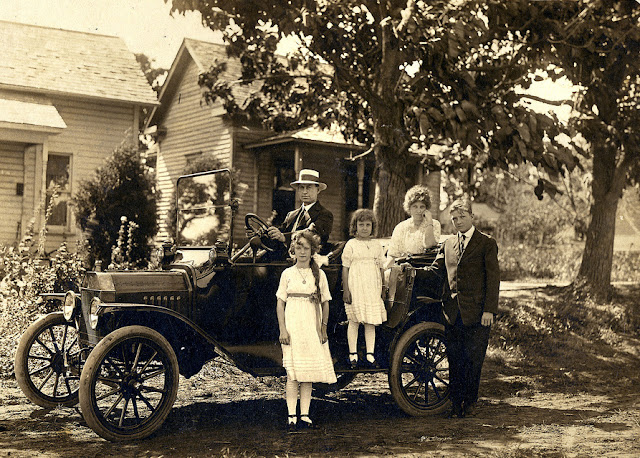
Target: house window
[284, 195]
[285, 175]
[59, 181]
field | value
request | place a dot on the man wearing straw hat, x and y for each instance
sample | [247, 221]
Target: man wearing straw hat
[311, 215]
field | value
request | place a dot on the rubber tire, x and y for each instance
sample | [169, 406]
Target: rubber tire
[343, 380]
[395, 375]
[92, 367]
[23, 378]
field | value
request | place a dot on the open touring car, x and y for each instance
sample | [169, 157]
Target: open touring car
[119, 345]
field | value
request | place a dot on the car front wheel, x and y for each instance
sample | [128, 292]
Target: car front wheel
[419, 374]
[48, 360]
[129, 384]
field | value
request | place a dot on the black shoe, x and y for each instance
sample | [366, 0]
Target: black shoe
[372, 364]
[306, 423]
[456, 412]
[470, 409]
[353, 363]
[292, 424]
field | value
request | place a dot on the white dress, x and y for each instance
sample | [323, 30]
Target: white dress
[408, 239]
[364, 258]
[306, 359]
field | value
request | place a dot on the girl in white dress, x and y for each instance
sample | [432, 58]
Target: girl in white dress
[362, 270]
[303, 313]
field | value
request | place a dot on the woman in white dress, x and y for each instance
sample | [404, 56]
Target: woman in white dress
[418, 233]
[303, 313]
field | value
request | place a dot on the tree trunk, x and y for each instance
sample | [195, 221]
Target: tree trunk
[597, 258]
[390, 143]
[390, 189]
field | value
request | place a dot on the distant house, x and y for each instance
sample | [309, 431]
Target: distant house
[186, 127]
[67, 99]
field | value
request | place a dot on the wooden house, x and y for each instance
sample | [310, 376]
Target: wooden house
[185, 127]
[67, 100]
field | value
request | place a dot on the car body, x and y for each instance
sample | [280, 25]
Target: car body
[119, 344]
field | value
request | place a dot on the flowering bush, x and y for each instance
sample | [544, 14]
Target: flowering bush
[26, 272]
[123, 253]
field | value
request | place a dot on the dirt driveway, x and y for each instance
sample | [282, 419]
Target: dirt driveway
[579, 399]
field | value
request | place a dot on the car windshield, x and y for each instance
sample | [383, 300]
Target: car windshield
[203, 208]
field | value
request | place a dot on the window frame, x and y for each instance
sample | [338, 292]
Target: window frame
[66, 194]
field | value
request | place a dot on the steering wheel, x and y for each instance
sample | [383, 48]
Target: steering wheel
[256, 224]
[259, 227]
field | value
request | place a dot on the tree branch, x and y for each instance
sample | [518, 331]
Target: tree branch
[547, 101]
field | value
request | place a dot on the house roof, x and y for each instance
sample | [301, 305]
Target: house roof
[25, 115]
[313, 134]
[204, 54]
[48, 60]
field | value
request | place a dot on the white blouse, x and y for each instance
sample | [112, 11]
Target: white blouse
[408, 239]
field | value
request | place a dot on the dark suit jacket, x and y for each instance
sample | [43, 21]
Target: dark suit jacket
[472, 283]
[321, 218]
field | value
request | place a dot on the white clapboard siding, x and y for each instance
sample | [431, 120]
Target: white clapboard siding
[94, 130]
[191, 129]
[11, 173]
[250, 169]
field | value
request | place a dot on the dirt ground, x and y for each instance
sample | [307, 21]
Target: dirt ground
[561, 396]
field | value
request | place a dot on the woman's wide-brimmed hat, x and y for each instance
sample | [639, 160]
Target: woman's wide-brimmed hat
[308, 176]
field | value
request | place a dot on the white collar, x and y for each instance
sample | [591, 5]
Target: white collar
[468, 234]
[307, 207]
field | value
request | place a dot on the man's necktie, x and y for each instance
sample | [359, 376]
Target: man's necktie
[461, 250]
[300, 220]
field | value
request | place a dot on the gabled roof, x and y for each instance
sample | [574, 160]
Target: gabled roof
[47, 60]
[204, 54]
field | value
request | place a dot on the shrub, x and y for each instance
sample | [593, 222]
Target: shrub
[122, 187]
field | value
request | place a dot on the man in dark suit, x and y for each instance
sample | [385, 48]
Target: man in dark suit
[311, 215]
[468, 265]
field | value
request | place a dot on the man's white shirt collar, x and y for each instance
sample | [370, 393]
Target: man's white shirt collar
[467, 235]
[307, 207]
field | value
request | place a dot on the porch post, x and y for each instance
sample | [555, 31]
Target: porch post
[360, 173]
[40, 186]
[297, 160]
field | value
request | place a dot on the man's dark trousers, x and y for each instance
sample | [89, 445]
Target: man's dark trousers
[466, 349]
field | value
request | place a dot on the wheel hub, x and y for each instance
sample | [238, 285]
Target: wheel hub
[129, 386]
[57, 363]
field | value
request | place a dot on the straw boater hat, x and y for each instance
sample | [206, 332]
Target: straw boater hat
[308, 176]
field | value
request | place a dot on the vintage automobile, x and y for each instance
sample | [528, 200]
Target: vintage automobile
[119, 345]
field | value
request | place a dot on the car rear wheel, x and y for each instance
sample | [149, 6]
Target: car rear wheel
[419, 375]
[47, 363]
[129, 384]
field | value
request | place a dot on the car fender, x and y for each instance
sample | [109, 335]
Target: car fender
[118, 307]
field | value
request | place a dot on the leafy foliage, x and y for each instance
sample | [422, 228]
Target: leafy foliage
[404, 75]
[595, 44]
[150, 72]
[122, 187]
[399, 76]
[26, 273]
